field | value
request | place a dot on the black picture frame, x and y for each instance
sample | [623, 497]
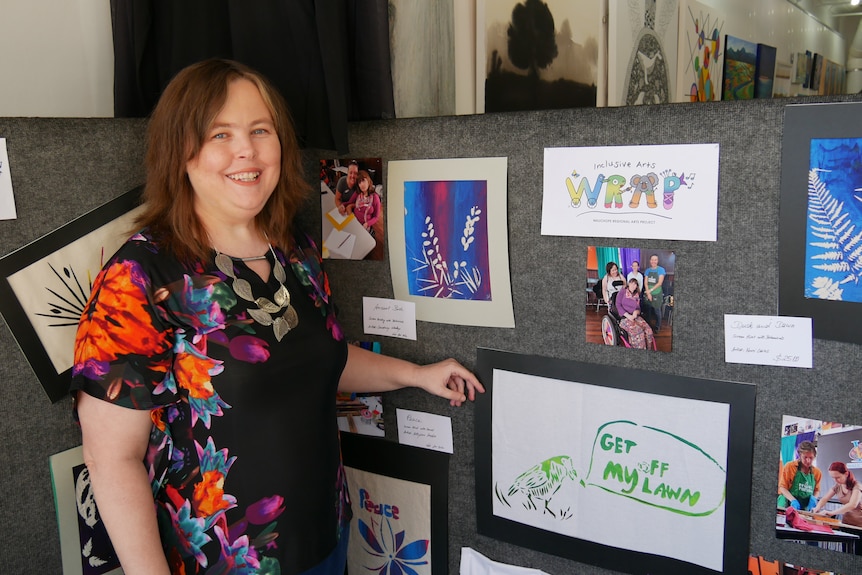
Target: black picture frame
[833, 320]
[71, 294]
[740, 399]
[389, 459]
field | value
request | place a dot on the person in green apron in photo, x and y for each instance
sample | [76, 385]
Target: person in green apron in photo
[799, 480]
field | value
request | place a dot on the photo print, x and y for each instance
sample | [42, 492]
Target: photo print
[630, 297]
[351, 201]
[819, 494]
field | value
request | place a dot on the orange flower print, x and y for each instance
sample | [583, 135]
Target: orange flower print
[193, 372]
[118, 323]
[208, 496]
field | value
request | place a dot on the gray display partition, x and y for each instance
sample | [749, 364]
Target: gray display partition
[64, 168]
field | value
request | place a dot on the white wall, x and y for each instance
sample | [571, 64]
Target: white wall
[58, 54]
[57, 58]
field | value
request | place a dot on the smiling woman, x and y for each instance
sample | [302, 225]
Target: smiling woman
[201, 331]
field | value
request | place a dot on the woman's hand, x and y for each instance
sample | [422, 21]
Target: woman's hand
[449, 379]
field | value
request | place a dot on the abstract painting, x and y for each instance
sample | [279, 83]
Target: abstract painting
[701, 53]
[45, 285]
[537, 54]
[630, 470]
[642, 51]
[446, 237]
[447, 240]
[820, 236]
[84, 543]
[740, 60]
[399, 498]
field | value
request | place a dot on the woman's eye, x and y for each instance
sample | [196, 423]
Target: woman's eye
[260, 131]
[219, 136]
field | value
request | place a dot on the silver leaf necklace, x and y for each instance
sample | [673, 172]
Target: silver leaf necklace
[266, 308]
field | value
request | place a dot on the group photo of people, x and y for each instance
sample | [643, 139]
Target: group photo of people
[819, 495]
[629, 297]
[351, 199]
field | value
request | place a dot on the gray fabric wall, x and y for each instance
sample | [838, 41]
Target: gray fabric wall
[63, 168]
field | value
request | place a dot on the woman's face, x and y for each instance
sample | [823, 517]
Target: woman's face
[364, 185]
[633, 287]
[615, 270]
[839, 478]
[239, 163]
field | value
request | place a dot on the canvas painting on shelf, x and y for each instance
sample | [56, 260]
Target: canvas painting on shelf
[700, 52]
[642, 51]
[764, 71]
[539, 55]
[740, 60]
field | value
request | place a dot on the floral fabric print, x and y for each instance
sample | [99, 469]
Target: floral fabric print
[243, 457]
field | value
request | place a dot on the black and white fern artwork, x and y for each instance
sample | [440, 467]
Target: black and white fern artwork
[833, 253]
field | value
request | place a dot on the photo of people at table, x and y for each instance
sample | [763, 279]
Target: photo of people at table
[819, 494]
[351, 200]
[630, 297]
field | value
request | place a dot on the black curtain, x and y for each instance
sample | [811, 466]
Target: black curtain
[329, 58]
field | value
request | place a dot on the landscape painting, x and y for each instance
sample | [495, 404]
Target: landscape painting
[536, 54]
[739, 63]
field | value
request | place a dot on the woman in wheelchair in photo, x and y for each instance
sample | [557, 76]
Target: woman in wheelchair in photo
[628, 303]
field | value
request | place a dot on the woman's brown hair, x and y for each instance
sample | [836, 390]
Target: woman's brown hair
[176, 132]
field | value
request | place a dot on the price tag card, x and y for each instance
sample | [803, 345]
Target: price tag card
[768, 340]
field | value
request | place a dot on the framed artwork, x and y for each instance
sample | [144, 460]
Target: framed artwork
[642, 51]
[620, 314]
[634, 471]
[84, 543]
[701, 52]
[400, 507]
[820, 263]
[740, 60]
[820, 463]
[651, 191]
[45, 285]
[555, 61]
[448, 246]
[351, 204]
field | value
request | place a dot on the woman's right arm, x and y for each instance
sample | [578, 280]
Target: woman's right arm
[115, 441]
[824, 500]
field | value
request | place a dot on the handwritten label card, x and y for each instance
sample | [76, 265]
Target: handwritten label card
[391, 317]
[768, 340]
[424, 430]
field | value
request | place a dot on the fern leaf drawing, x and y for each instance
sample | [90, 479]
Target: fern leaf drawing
[839, 254]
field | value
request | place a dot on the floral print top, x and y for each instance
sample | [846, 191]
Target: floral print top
[244, 455]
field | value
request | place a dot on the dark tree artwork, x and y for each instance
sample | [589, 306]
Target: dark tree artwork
[533, 66]
[532, 42]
